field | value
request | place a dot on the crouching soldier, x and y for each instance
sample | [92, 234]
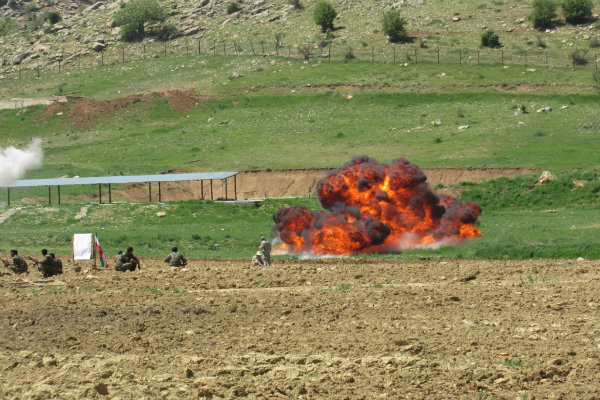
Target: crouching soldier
[47, 265]
[175, 259]
[126, 261]
[18, 265]
[257, 259]
[58, 267]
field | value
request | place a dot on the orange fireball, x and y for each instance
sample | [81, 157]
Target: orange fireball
[375, 207]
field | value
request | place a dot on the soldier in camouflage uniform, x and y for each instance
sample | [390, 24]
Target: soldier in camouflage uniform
[175, 259]
[47, 265]
[18, 266]
[126, 261]
[58, 267]
[265, 247]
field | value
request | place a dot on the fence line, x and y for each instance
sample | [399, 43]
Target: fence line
[326, 51]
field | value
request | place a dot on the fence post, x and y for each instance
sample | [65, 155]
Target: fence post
[19, 75]
[214, 47]
[289, 51]
[477, 57]
[459, 57]
[277, 49]
[123, 54]
[438, 55]
[224, 49]
[165, 48]
[235, 48]
[102, 56]
[596, 59]
[262, 42]
[79, 61]
[187, 47]
[546, 59]
[502, 57]
[38, 70]
[59, 66]
[373, 55]
[199, 46]
[394, 54]
[252, 45]
[329, 53]
[416, 60]
[144, 48]
[525, 59]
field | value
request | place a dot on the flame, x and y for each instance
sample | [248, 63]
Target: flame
[374, 208]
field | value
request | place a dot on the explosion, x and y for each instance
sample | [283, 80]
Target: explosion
[375, 208]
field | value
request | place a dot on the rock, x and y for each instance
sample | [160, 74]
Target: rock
[580, 259]
[102, 389]
[544, 110]
[40, 48]
[463, 127]
[436, 122]
[546, 177]
[49, 362]
[93, 7]
[455, 19]
[161, 214]
[19, 58]
[236, 75]
[98, 47]
[580, 183]
[519, 20]
[564, 107]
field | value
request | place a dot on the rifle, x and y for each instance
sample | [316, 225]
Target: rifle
[6, 263]
[35, 262]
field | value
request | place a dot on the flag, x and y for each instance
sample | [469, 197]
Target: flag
[101, 256]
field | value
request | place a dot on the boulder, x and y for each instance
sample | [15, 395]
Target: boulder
[19, 58]
[544, 110]
[98, 47]
[546, 177]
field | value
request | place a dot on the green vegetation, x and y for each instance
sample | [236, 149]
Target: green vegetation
[134, 16]
[324, 14]
[8, 25]
[53, 17]
[544, 11]
[394, 26]
[233, 7]
[577, 10]
[490, 39]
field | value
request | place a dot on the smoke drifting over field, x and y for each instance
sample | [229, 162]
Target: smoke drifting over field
[374, 208]
[14, 163]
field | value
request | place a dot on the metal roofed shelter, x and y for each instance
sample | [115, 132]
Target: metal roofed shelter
[99, 180]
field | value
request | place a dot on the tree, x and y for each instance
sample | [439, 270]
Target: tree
[543, 13]
[324, 15]
[394, 26]
[577, 10]
[135, 14]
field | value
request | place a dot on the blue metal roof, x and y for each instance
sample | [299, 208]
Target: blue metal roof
[90, 180]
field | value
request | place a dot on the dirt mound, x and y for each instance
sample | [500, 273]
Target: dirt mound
[336, 329]
[85, 112]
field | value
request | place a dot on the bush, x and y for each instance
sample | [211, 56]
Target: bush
[324, 15]
[8, 25]
[31, 7]
[305, 51]
[296, 3]
[129, 33]
[394, 26]
[137, 13]
[167, 32]
[3, 3]
[577, 10]
[596, 76]
[53, 17]
[349, 54]
[594, 43]
[490, 39]
[544, 11]
[579, 57]
[233, 7]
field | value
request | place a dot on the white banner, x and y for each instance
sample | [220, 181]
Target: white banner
[82, 246]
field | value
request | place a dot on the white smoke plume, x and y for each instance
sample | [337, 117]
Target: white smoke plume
[15, 162]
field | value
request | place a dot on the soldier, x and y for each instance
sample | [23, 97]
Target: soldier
[265, 247]
[58, 267]
[126, 261]
[257, 259]
[47, 264]
[175, 259]
[18, 265]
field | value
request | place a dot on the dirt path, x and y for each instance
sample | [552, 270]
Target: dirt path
[336, 329]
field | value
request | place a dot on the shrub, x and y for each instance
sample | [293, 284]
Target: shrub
[129, 33]
[53, 17]
[540, 42]
[3, 3]
[543, 13]
[31, 7]
[596, 76]
[233, 7]
[167, 32]
[296, 3]
[305, 52]
[577, 10]
[490, 39]
[136, 13]
[594, 43]
[349, 54]
[579, 57]
[394, 26]
[324, 15]
[8, 25]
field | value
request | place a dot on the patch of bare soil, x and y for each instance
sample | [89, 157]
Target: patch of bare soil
[85, 112]
[339, 329]
[290, 183]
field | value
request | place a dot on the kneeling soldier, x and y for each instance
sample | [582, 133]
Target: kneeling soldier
[175, 259]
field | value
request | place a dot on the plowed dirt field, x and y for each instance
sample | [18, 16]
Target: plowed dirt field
[328, 329]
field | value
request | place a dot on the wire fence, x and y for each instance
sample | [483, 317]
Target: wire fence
[326, 51]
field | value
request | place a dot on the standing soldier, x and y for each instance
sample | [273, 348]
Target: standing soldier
[175, 259]
[18, 265]
[265, 247]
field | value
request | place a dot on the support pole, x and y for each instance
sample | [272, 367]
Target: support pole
[211, 190]
[159, 193]
[235, 187]
[99, 193]
[226, 189]
[49, 194]
[149, 192]
[58, 194]
[8, 196]
[109, 194]
[202, 189]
